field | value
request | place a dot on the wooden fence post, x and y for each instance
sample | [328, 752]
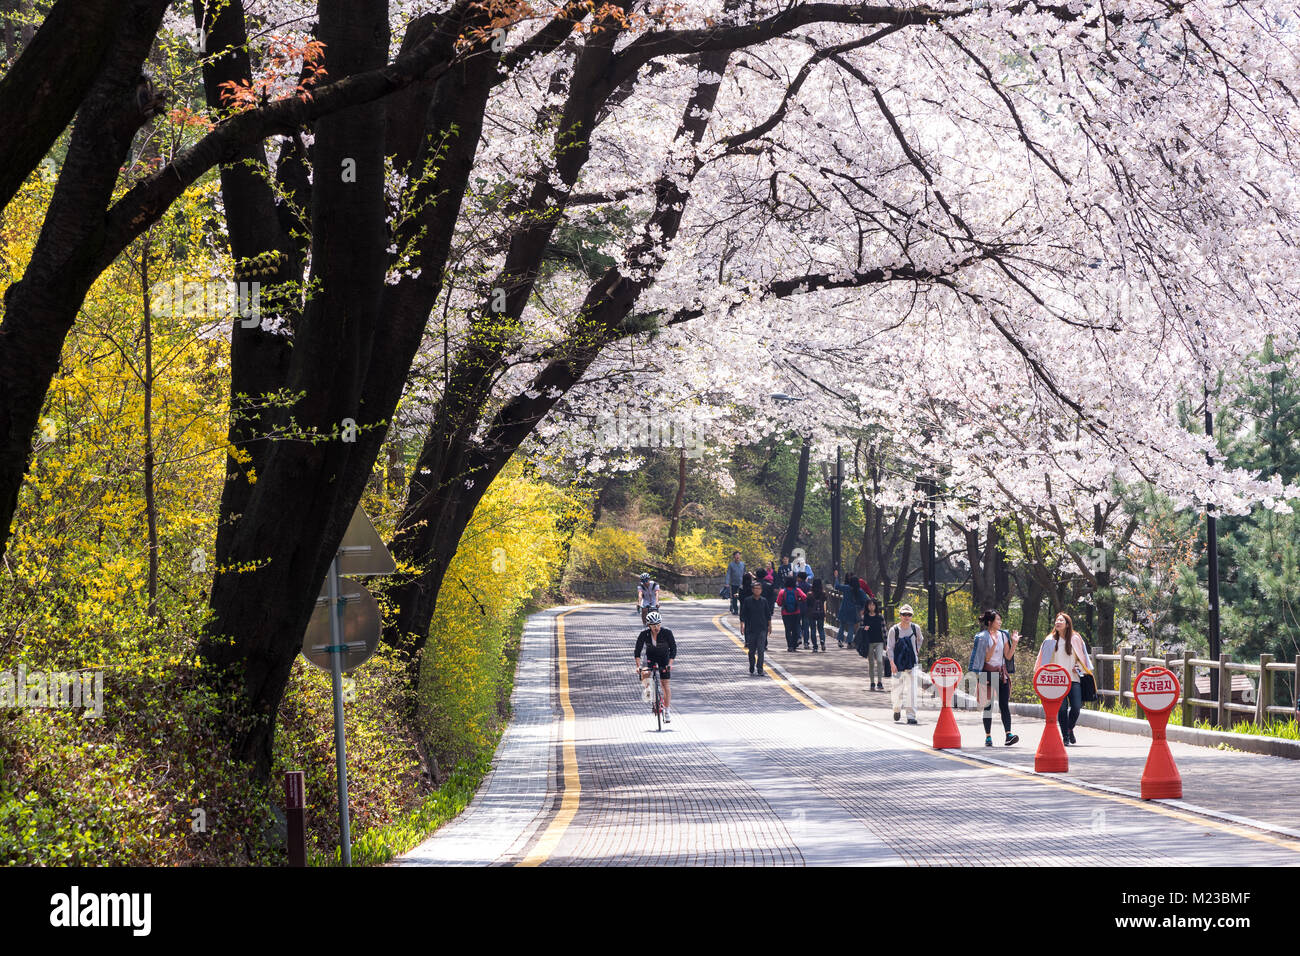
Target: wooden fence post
[1295, 688]
[1189, 682]
[1225, 691]
[1125, 678]
[1138, 668]
[1264, 692]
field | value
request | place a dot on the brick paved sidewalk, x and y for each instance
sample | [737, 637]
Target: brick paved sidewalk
[1234, 784]
[514, 798]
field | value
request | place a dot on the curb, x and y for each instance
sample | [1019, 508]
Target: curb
[1029, 711]
[1250, 743]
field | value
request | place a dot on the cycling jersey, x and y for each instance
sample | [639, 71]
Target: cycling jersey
[649, 597]
[662, 652]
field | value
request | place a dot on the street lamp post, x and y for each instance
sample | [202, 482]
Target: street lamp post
[932, 592]
[1212, 541]
[837, 505]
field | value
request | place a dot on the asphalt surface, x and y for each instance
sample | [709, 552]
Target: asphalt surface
[755, 771]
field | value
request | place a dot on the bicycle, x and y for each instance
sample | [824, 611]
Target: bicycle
[646, 609]
[657, 696]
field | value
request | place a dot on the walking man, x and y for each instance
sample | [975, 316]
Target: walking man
[849, 612]
[904, 651]
[756, 621]
[735, 576]
[805, 623]
[792, 602]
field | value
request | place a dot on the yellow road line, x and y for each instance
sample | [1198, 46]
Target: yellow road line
[572, 786]
[792, 691]
[1048, 781]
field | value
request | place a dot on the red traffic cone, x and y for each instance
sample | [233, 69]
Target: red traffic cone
[1156, 691]
[945, 674]
[1052, 684]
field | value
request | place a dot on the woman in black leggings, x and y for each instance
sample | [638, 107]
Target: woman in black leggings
[991, 659]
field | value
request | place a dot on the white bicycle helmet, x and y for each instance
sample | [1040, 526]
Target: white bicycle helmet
[653, 618]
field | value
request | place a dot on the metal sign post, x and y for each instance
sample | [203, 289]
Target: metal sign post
[336, 652]
[353, 635]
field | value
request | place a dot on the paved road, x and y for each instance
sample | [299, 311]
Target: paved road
[753, 772]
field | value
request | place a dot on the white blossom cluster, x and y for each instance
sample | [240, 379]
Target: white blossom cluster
[1008, 246]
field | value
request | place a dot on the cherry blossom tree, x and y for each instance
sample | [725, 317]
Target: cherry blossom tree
[1011, 236]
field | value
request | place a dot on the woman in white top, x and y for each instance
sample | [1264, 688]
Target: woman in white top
[992, 659]
[1073, 656]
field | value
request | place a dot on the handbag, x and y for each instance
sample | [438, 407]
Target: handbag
[1009, 654]
[1087, 684]
[1087, 688]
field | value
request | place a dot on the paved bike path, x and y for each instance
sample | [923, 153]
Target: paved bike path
[1230, 784]
[748, 773]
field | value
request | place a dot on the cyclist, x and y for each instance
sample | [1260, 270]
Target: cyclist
[647, 596]
[660, 649]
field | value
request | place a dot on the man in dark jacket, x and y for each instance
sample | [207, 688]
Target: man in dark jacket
[850, 612]
[735, 575]
[769, 592]
[756, 620]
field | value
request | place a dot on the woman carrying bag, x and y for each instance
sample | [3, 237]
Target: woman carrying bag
[871, 643]
[1070, 652]
[993, 659]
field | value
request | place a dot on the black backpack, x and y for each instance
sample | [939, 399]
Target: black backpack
[905, 651]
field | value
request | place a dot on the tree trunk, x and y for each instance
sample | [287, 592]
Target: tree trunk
[150, 503]
[800, 491]
[1031, 602]
[1001, 573]
[598, 503]
[671, 550]
[904, 573]
[299, 508]
[455, 469]
[48, 83]
[41, 307]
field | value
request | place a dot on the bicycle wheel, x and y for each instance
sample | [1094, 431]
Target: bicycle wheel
[659, 703]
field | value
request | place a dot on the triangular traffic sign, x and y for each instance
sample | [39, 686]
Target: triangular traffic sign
[362, 552]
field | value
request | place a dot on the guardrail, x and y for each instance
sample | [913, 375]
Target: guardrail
[1185, 665]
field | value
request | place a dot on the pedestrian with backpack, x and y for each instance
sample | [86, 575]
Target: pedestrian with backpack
[871, 643]
[817, 613]
[993, 659]
[850, 611]
[804, 584]
[792, 601]
[904, 649]
[756, 621]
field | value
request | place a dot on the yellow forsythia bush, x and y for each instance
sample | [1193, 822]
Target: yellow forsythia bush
[607, 554]
[513, 549]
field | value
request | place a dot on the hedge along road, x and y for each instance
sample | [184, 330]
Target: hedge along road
[753, 772]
